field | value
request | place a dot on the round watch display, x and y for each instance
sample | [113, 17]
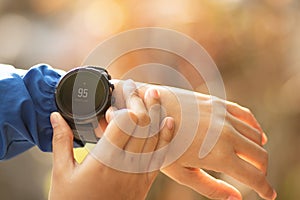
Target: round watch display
[83, 95]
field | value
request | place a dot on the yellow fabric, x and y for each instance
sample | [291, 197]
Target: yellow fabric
[81, 153]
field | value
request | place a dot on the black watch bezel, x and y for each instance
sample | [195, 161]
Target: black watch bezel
[80, 121]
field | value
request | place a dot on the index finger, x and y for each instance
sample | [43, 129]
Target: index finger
[135, 103]
[246, 115]
[248, 174]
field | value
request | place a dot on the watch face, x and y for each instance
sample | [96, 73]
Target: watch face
[82, 93]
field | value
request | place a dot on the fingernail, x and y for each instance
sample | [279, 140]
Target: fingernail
[170, 123]
[264, 138]
[232, 198]
[154, 93]
[54, 119]
[274, 195]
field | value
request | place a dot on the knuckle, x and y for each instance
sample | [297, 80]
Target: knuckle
[61, 136]
[166, 136]
[263, 186]
[260, 179]
[225, 155]
[250, 113]
[248, 110]
[213, 193]
[133, 116]
[236, 106]
[228, 130]
[109, 114]
[153, 139]
[134, 94]
[143, 119]
[148, 91]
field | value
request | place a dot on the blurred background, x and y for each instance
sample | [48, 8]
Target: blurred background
[254, 43]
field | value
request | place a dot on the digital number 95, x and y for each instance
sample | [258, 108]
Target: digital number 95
[82, 93]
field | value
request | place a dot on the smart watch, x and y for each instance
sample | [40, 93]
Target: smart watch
[82, 97]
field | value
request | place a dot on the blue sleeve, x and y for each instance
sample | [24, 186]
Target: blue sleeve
[26, 101]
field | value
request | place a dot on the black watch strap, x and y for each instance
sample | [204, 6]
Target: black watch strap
[84, 133]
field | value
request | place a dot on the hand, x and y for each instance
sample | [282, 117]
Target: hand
[95, 180]
[238, 151]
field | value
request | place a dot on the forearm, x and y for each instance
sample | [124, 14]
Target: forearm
[37, 86]
[27, 99]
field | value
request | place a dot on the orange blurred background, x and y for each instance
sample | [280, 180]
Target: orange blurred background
[255, 44]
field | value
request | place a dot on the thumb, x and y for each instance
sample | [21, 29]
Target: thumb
[62, 142]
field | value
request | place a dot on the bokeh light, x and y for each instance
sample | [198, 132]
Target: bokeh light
[255, 44]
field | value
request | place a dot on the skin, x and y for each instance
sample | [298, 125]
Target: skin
[240, 146]
[94, 180]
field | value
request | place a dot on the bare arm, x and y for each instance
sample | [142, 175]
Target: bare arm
[211, 134]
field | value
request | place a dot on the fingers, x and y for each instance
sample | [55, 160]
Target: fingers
[164, 138]
[62, 142]
[202, 182]
[135, 103]
[250, 156]
[245, 129]
[122, 124]
[251, 176]
[252, 153]
[146, 112]
[136, 147]
[142, 138]
[166, 133]
[152, 104]
[245, 115]
[109, 115]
